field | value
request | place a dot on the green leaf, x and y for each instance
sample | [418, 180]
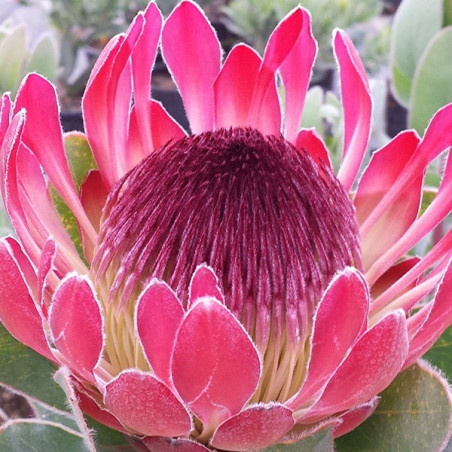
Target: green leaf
[107, 439]
[23, 369]
[312, 116]
[34, 435]
[413, 415]
[79, 156]
[13, 52]
[47, 413]
[415, 23]
[401, 86]
[44, 57]
[81, 161]
[439, 355]
[319, 442]
[432, 83]
[68, 219]
[447, 13]
[428, 195]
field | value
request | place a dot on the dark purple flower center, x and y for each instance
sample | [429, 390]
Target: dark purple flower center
[273, 225]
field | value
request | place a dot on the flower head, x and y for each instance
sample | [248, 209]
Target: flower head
[222, 289]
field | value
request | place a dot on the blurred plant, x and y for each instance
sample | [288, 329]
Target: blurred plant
[24, 47]
[84, 26]
[421, 64]
[5, 225]
[323, 112]
[255, 19]
[166, 6]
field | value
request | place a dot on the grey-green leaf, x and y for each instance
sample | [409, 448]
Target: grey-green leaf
[44, 57]
[432, 83]
[415, 23]
[440, 354]
[319, 442]
[27, 371]
[34, 435]
[413, 415]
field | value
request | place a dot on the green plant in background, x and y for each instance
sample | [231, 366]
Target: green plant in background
[24, 47]
[255, 19]
[166, 6]
[84, 27]
[421, 63]
[5, 225]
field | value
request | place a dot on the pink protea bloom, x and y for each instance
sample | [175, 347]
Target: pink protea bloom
[228, 290]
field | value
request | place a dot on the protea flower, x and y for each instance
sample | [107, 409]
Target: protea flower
[221, 289]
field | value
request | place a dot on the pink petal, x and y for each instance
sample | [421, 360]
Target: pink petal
[90, 406]
[158, 316]
[10, 147]
[5, 112]
[341, 317]
[43, 136]
[357, 105]
[269, 119]
[384, 168]
[18, 311]
[193, 55]
[39, 210]
[351, 419]
[28, 203]
[281, 43]
[296, 73]
[394, 274]
[437, 138]
[106, 105]
[76, 323]
[143, 57]
[301, 431]
[163, 129]
[411, 284]
[257, 427]
[234, 87]
[93, 194]
[215, 366]
[159, 444]
[436, 317]
[204, 284]
[146, 405]
[310, 141]
[45, 269]
[372, 364]
[25, 266]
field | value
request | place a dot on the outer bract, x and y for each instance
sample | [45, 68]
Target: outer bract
[219, 289]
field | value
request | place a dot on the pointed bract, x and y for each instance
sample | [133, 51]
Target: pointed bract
[256, 427]
[146, 405]
[194, 61]
[158, 317]
[357, 106]
[76, 324]
[370, 367]
[18, 311]
[215, 366]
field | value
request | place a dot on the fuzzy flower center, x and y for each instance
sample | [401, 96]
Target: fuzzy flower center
[273, 225]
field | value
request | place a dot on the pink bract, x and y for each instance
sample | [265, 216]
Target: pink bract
[272, 337]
